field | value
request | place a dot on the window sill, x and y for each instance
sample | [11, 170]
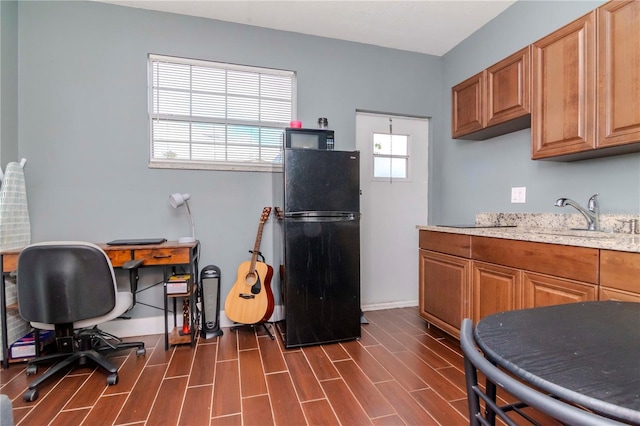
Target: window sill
[233, 167]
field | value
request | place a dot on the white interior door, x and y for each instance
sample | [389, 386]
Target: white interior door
[391, 206]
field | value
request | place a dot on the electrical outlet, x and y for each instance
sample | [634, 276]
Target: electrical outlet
[519, 194]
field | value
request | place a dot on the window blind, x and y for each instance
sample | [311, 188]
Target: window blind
[216, 115]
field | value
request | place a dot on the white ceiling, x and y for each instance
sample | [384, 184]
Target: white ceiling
[433, 27]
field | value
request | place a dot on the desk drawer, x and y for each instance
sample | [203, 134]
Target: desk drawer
[163, 256]
[118, 257]
[9, 262]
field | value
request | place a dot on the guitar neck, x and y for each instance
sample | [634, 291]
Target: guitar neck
[256, 248]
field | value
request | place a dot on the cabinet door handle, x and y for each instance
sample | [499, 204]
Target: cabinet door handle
[161, 256]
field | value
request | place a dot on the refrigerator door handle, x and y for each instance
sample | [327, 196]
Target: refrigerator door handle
[315, 216]
[309, 213]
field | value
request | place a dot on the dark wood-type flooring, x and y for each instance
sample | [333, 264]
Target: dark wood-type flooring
[399, 373]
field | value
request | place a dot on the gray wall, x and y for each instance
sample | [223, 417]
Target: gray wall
[84, 125]
[8, 82]
[470, 177]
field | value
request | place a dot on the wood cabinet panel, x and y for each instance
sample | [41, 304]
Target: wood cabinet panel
[508, 89]
[618, 73]
[544, 290]
[564, 90]
[620, 270]
[467, 106]
[443, 242]
[606, 293]
[494, 289]
[577, 263]
[444, 290]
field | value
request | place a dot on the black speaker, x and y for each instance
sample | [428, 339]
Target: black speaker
[210, 299]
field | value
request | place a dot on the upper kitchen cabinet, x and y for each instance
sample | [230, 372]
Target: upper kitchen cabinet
[495, 101]
[508, 88]
[586, 86]
[467, 106]
[619, 74]
[564, 90]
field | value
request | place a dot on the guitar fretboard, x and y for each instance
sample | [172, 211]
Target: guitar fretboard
[256, 247]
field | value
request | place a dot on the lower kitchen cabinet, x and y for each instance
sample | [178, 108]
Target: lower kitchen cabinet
[444, 290]
[619, 276]
[606, 293]
[463, 276]
[544, 290]
[494, 289]
[573, 263]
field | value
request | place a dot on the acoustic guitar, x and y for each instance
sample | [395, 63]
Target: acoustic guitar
[250, 300]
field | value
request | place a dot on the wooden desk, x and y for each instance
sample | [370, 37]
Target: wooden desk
[168, 255]
[583, 353]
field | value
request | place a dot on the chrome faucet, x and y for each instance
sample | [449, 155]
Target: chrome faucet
[591, 213]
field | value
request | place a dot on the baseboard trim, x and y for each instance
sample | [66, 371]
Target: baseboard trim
[389, 305]
[155, 325]
[135, 326]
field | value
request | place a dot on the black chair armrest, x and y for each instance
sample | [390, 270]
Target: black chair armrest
[133, 264]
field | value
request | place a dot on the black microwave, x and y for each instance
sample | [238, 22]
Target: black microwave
[295, 137]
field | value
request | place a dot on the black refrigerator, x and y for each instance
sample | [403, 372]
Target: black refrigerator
[320, 230]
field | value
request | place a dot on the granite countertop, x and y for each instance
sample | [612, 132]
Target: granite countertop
[554, 228]
[564, 236]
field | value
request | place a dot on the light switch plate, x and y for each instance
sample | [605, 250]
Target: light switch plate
[519, 194]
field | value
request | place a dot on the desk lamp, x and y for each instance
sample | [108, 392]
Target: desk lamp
[176, 200]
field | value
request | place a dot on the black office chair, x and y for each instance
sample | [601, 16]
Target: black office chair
[70, 287]
[474, 361]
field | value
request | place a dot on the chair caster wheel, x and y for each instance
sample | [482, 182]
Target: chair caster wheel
[32, 369]
[112, 379]
[30, 395]
[141, 352]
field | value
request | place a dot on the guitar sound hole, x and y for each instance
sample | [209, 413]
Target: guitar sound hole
[250, 278]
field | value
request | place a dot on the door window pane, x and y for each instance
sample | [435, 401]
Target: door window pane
[390, 156]
[390, 168]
